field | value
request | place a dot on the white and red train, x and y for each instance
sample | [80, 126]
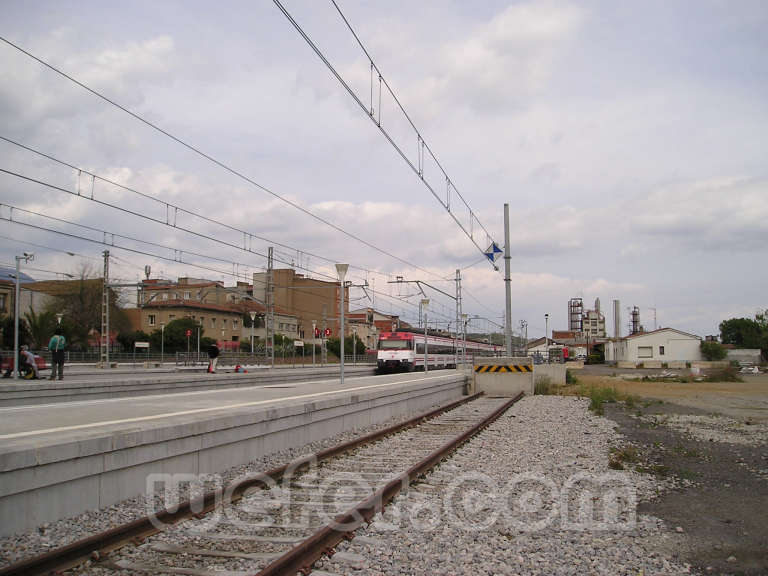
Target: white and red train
[404, 351]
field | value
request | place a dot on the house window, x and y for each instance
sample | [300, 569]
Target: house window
[234, 324]
[171, 317]
[175, 295]
[3, 298]
[213, 322]
[187, 295]
[165, 296]
[152, 319]
[198, 295]
[661, 350]
[202, 320]
[235, 338]
[645, 351]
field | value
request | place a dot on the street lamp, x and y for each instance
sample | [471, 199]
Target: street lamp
[424, 304]
[341, 270]
[28, 256]
[59, 316]
[253, 319]
[354, 345]
[546, 335]
[162, 342]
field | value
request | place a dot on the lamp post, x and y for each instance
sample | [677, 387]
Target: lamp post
[253, 319]
[546, 335]
[341, 270]
[314, 339]
[59, 316]
[354, 345]
[26, 257]
[162, 342]
[424, 304]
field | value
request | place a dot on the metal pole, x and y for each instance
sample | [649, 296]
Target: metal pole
[458, 313]
[507, 284]
[16, 322]
[464, 335]
[546, 335]
[341, 269]
[314, 338]
[253, 319]
[198, 345]
[354, 346]
[426, 351]
[162, 342]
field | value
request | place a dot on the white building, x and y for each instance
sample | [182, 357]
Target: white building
[662, 345]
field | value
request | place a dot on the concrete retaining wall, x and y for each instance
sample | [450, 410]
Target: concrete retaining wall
[503, 383]
[555, 372]
[752, 355]
[48, 480]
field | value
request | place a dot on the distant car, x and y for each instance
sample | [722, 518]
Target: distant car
[581, 356]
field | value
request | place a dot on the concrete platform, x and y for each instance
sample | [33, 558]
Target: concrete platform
[84, 384]
[59, 460]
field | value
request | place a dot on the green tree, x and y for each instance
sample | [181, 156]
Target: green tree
[80, 302]
[741, 332]
[334, 346]
[713, 350]
[175, 337]
[8, 328]
[40, 326]
[127, 339]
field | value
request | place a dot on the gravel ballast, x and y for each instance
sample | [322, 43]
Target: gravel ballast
[513, 476]
[56, 534]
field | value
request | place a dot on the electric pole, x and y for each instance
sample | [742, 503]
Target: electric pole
[104, 356]
[507, 284]
[270, 340]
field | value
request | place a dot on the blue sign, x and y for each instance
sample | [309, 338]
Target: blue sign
[493, 252]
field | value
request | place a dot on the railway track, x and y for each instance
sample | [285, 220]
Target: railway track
[281, 521]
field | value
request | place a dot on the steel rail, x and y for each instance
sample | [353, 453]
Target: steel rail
[96, 546]
[301, 557]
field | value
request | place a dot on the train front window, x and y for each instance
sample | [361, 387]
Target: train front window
[394, 344]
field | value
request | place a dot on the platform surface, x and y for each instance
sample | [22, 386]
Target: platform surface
[76, 420]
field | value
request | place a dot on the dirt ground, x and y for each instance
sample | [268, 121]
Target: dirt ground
[723, 508]
[740, 400]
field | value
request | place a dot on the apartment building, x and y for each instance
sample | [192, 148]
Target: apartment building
[307, 299]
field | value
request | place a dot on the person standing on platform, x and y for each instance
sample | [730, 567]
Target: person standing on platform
[213, 355]
[57, 345]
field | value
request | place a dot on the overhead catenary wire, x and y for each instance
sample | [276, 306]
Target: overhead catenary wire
[210, 158]
[177, 208]
[157, 221]
[418, 170]
[112, 244]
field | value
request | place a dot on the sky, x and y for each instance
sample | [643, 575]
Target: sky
[628, 138]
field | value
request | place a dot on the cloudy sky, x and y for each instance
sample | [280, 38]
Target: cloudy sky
[630, 140]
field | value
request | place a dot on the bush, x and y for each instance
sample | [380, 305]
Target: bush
[728, 374]
[570, 378]
[598, 397]
[713, 350]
